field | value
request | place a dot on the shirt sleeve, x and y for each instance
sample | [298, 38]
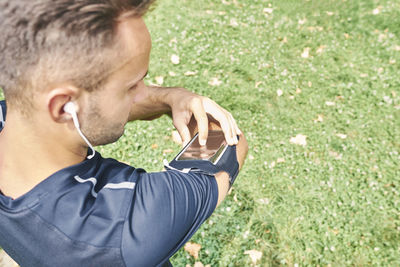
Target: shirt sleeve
[166, 210]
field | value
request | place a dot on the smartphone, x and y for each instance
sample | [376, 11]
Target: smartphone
[212, 151]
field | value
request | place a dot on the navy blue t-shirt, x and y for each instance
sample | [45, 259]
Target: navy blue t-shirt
[101, 212]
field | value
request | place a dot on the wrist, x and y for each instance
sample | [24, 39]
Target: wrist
[159, 96]
[170, 95]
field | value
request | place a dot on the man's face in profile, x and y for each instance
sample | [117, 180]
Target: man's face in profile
[106, 110]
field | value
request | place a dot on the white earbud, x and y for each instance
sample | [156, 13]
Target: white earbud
[70, 109]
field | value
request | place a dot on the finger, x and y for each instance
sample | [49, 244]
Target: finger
[221, 116]
[202, 120]
[183, 131]
[226, 128]
[236, 127]
[235, 131]
[233, 128]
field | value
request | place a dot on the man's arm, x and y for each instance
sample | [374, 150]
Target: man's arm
[151, 102]
[148, 104]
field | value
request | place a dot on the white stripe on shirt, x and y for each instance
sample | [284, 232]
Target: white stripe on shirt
[123, 185]
[1, 117]
[93, 180]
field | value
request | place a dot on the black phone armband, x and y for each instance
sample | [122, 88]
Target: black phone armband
[227, 162]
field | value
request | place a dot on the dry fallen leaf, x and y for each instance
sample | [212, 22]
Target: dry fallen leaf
[330, 103]
[198, 264]
[193, 249]
[173, 40]
[214, 82]
[302, 21]
[159, 80]
[343, 136]
[335, 155]
[233, 23]
[255, 255]
[299, 140]
[321, 49]
[175, 59]
[376, 11]
[190, 73]
[320, 118]
[154, 146]
[268, 10]
[280, 160]
[306, 53]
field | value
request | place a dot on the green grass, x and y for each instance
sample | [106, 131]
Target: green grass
[333, 202]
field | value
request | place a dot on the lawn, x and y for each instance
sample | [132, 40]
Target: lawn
[315, 86]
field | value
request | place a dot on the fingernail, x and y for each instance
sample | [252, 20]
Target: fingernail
[202, 142]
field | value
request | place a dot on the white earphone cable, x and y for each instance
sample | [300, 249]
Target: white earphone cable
[78, 128]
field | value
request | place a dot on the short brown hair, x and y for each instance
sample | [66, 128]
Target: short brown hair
[49, 41]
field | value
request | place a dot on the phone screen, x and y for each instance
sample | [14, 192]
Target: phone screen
[212, 151]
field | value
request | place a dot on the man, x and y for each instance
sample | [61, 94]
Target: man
[59, 207]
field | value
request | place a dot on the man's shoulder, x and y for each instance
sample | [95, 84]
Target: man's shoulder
[109, 170]
[75, 215]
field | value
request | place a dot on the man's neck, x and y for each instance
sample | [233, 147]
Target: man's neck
[28, 155]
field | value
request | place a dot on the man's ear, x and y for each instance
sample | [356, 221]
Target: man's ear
[56, 100]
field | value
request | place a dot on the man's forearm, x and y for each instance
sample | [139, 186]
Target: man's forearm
[150, 104]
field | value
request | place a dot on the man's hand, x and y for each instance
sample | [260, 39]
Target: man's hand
[183, 105]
